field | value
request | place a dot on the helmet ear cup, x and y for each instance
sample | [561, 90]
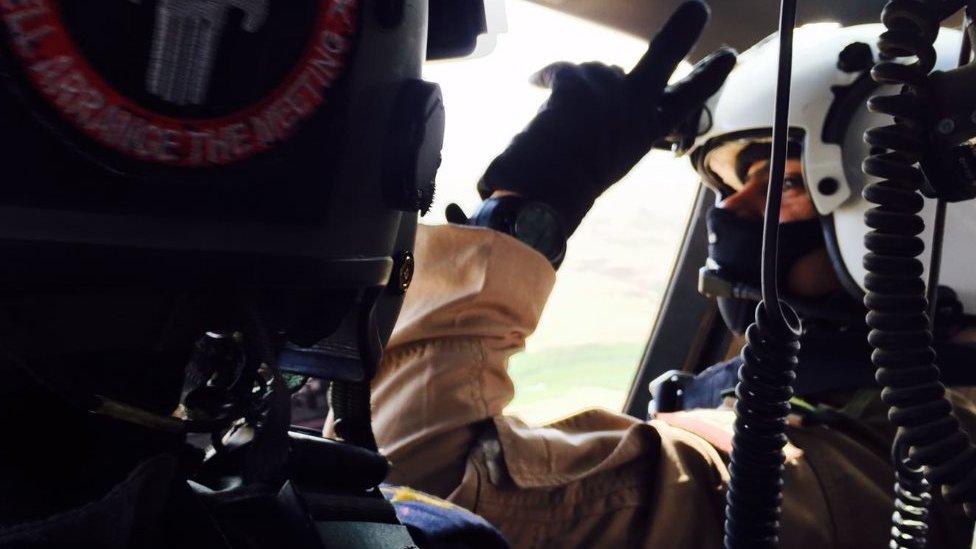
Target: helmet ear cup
[845, 228]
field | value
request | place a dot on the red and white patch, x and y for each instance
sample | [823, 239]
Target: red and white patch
[59, 71]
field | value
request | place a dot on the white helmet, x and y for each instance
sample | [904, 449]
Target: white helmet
[828, 117]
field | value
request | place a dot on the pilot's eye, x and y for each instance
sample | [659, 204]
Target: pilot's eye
[792, 182]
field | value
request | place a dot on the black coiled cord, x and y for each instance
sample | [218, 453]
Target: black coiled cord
[913, 497]
[764, 391]
[769, 357]
[929, 437]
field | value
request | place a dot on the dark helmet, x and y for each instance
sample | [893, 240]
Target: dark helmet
[278, 150]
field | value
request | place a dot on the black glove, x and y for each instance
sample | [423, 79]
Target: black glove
[599, 122]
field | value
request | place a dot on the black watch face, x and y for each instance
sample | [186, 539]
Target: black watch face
[538, 227]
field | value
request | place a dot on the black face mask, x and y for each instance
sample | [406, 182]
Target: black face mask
[735, 247]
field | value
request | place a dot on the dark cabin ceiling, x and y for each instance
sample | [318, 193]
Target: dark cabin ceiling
[738, 23]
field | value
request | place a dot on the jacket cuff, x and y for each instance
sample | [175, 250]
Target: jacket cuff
[473, 282]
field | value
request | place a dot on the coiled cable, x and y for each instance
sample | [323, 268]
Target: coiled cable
[929, 438]
[763, 394]
[766, 377]
[913, 498]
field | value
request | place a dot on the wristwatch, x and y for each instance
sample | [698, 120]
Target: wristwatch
[531, 222]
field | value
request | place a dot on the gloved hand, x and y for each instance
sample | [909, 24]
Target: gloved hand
[599, 122]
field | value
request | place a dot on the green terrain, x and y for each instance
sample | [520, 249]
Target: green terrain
[553, 383]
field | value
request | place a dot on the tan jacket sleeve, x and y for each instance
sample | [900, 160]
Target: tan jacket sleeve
[477, 294]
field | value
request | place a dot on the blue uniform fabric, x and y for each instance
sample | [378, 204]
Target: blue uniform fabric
[709, 387]
[437, 524]
[826, 365]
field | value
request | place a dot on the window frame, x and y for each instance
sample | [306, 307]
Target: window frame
[688, 333]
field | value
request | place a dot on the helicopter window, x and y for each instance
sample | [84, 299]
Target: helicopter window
[589, 343]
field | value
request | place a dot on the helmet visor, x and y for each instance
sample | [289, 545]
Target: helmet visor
[724, 162]
[738, 170]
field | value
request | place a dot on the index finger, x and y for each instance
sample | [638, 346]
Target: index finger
[669, 47]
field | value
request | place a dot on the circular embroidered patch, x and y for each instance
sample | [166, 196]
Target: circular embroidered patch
[185, 83]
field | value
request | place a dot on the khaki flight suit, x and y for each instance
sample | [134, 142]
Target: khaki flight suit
[598, 478]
